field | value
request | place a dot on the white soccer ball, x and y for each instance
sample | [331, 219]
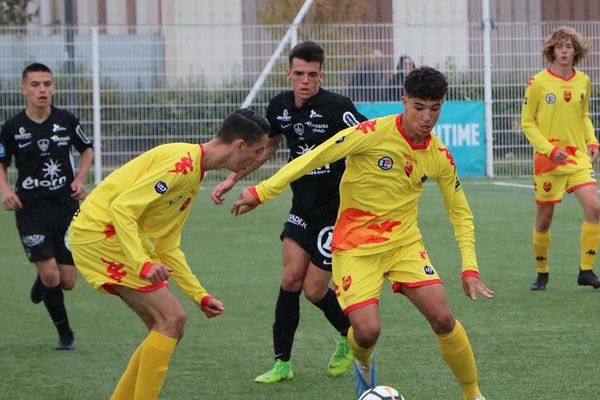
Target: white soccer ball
[381, 393]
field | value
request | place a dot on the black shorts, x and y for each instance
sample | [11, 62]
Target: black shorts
[43, 226]
[314, 236]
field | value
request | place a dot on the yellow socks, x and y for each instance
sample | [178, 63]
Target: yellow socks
[144, 376]
[457, 353]
[362, 355]
[541, 248]
[588, 240]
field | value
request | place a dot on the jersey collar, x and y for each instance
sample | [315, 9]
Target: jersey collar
[413, 145]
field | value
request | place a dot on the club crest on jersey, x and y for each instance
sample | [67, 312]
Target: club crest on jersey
[346, 282]
[299, 129]
[161, 187]
[43, 144]
[408, 168]
[385, 163]
[324, 242]
[550, 98]
[185, 165]
[567, 95]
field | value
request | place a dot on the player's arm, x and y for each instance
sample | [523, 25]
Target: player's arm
[588, 127]
[168, 249]
[10, 200]
[78, 184]
[461, 217]
[229, 182]
[529, 123]
[344, 143]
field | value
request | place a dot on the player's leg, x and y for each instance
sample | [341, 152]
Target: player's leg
[316, 289]
[590, 233]
[287, 311]
[452, 338]
[357, 283]
[162, 312]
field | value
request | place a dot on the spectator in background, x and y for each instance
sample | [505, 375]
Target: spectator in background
[365, 84]
[395, 88]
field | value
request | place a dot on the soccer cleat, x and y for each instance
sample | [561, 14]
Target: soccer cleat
[365, 378]
[341, 360]
[480, 397]
[540, 282]
[281, 371]
[65, 343]
[588, 278]
[37, 291]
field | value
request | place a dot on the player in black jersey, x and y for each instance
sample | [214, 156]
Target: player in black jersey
[48, 189]
[307, 115]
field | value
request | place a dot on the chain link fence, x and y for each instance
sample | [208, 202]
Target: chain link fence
[176, 83]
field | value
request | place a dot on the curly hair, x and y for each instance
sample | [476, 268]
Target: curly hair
[426, 83]
[580, 43]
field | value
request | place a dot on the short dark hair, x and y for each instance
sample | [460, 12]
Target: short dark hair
[308, 51]
[426, 83]
[35, 67]
[243, 124]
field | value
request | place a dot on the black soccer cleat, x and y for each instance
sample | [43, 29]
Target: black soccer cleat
[540, 282]
[37, 291]
[66, 342]
[588, 278]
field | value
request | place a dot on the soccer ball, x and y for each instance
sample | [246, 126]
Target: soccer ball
[381, 393]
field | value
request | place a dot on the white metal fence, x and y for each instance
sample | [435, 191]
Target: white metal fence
[176, 83]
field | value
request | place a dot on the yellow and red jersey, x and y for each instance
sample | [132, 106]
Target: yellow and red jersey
[385, 175]
[145, 203]
[555, 114]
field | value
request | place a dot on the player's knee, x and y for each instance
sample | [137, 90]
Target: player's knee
[442, 323]
[314, 292]
[50, 278]
[366, 335]
[175, 322]
[291, 283]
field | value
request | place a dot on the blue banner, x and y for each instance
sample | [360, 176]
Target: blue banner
[461, 127]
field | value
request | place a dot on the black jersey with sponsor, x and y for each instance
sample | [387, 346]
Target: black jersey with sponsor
[42, 152]
[304, 128]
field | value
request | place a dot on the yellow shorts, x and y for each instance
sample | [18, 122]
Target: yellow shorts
[103, 264]
[551, 188]
[357, 280]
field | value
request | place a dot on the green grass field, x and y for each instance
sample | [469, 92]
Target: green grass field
[528, 345]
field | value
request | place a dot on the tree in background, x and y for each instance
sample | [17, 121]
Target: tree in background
[15, 12]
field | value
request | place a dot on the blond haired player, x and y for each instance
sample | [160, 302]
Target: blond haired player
[376, 236]
[555, 118]
[126, 239]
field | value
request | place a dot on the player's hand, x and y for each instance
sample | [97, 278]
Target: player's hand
[245, 203]
[473, 285]
[213, 308]
[594, 153]
[77, 190]
[560, 156]
[158, 273]
[220, 190]
[11, 201]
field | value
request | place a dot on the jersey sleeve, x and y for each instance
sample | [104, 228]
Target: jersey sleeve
[6, 151]
[80, 141]
[127, 208]
[529, 119]
[169, 251]
[340, 145]
[459, 212]
[588, 128]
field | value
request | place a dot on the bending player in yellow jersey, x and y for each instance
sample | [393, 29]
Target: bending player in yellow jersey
[555, 118]
[376, 236]
[126, 239]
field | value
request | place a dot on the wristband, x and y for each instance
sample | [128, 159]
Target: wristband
[253, 192]
[145, 269]
[469, 272]
[205, 300]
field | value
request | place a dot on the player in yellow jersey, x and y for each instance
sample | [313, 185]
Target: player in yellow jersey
[555, 118]
[376, 236]
[126, 239]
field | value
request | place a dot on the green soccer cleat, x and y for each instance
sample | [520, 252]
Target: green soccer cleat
[281, 371]
[341, 360]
